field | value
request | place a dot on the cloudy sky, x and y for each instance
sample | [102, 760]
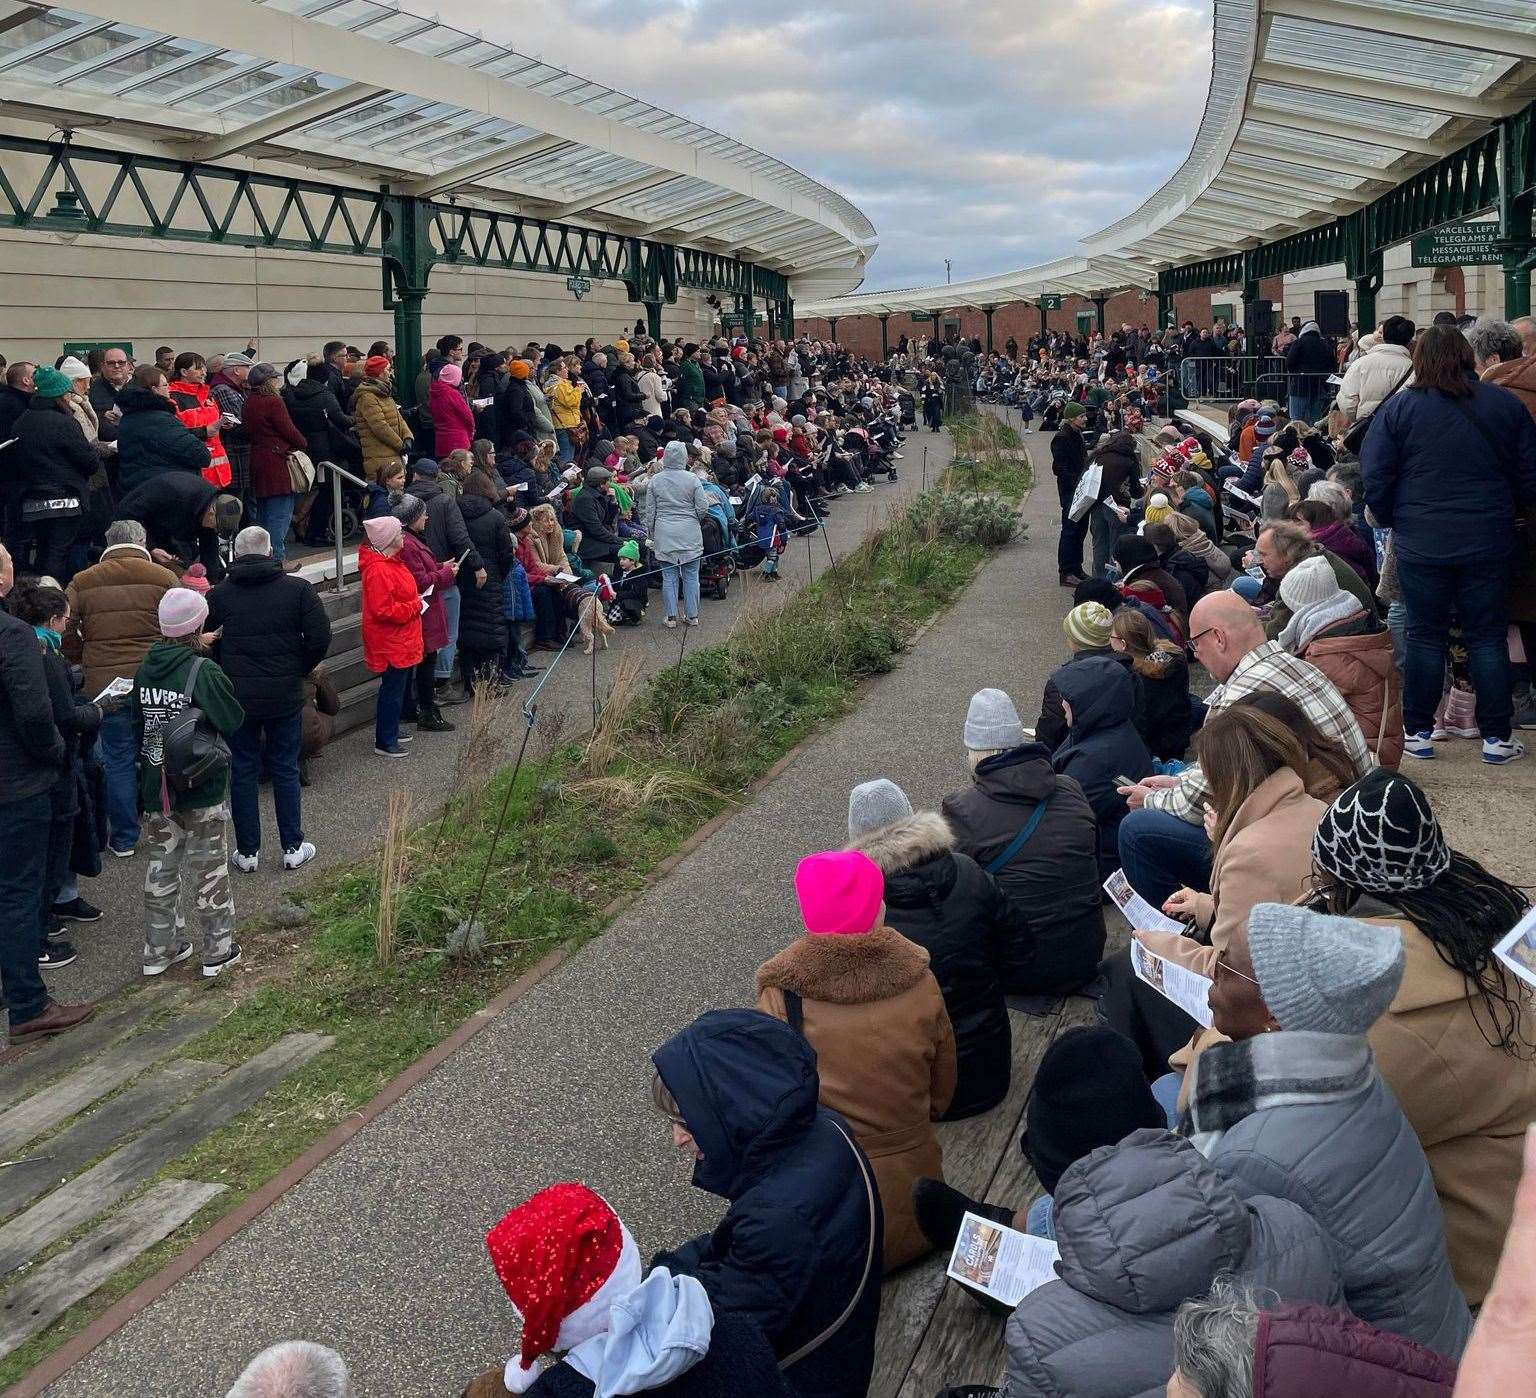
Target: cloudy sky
[994, 132]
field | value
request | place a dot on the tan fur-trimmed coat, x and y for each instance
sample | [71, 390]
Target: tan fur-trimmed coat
[885, 1052]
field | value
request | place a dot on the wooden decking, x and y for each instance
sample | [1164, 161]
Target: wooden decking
[931, 1333]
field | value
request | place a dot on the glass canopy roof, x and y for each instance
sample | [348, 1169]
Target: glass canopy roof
[1315, 108]
[427, 107]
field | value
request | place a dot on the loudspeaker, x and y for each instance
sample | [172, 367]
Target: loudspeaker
[1259, 320]
[1330, 309]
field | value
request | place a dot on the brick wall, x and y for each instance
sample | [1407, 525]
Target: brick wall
[861, 334]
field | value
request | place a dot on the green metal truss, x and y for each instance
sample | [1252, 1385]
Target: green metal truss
[128, 195]
[1461, 185]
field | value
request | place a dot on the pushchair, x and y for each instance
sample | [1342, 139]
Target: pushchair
[717, 565]
[906, 400]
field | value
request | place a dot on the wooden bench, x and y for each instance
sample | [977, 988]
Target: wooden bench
[931, 1333]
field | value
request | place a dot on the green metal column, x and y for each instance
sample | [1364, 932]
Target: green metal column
[1165, 311]
[989, 312]
[1099, 303]
[1366, 288]
[832, 328]
[885, 337]
[408, 259]
[787, 321]
[1044, 328]
[653, 319]
[1514, 226]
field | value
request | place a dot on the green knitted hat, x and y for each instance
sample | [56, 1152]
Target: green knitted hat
[50, 383]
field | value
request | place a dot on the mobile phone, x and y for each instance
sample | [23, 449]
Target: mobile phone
[1123, 780]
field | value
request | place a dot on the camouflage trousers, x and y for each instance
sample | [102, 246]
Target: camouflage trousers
[188, 850]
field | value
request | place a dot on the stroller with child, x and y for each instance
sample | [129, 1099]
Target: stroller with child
[718, 565]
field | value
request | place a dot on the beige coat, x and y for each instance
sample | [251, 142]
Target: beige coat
[1264, 857]
[885, 1052]
[1468, 1102]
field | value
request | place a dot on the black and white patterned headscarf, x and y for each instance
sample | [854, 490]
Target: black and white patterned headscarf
[1381, 836]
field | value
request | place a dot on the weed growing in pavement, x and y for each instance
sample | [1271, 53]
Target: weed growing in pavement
[667, 756]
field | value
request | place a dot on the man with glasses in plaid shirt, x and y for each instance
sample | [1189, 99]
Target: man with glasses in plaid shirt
[1163, 845]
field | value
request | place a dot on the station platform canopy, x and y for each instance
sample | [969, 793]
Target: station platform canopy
[371, 94]
[1316, 110]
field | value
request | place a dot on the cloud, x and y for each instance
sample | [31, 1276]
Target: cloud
[995, 133]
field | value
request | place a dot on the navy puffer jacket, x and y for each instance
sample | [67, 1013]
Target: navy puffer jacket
[793, 1246]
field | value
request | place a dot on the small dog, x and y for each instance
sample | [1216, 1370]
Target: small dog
[594, 625]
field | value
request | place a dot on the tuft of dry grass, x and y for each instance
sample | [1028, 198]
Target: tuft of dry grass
[393, 859]
[625, 691]
[625, 792]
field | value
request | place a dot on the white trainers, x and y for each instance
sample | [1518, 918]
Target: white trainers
[1498, 751]
[245, 863]
[1419, 744]
[295, 858]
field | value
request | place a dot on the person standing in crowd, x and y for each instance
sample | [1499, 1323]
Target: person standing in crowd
[33, 756]
[941, 900]
[1448, 462]
[196, 410]
[107, 386]
[53, 463]
[1294, 1107]
[114, 608]
[151, 438]
[392, 646]
[864, 998]
[431, 578]
[453, 423]
[676, 504]
[565, 409]
[799, 1248]
[1455, 1046]
[272, 437]
[188, 842]
[1120, 480]
[1384, 369]
[1309, 362]
[1034, 831]
[448, 538]
[482, 639]
[273, 631]
[690, 380]
[382, 433]
[1069, 459]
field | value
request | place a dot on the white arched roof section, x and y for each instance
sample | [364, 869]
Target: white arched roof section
[368, 92]
[1315, 108]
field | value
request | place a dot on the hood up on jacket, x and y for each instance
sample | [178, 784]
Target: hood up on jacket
[747, 1086]
[134, 399]
[655, 1334]
[1101, 694]
[1021, 774]
[1147, 1224]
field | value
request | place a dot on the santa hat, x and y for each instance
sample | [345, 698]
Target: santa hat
[1188, 447]
[564, 1258]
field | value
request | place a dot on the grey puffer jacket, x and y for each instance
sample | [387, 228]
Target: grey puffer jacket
[1142, 1227]
[675, 504]
[1358, 1169]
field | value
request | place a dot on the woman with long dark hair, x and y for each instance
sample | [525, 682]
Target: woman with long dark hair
[1456, 1044]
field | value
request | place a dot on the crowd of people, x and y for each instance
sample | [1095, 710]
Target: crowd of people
[1316, 1183]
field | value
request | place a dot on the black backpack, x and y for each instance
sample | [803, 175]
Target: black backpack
[195, 751]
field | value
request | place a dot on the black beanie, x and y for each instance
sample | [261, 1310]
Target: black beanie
[1089, 1091]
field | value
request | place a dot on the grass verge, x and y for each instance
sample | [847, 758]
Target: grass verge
[664, 758]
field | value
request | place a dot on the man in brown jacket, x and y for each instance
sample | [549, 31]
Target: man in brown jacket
[114, 619]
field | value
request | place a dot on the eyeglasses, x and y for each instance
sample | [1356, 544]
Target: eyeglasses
[1223, 965]
[1195, 639]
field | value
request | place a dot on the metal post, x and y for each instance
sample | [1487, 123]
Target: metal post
[1099, 303]
[408, 259]
[1044, 328]
[787, 319]
[1366, 288]
[885, 338]
[832, 328]
[1514, 228]
[1165, 311]
[989, 311]
[341, 559]
[653, 319]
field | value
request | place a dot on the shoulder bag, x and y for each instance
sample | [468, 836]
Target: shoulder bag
[1354, 439]
[1000, 862]
[195, 751]
[795, 1017]
[301, 472]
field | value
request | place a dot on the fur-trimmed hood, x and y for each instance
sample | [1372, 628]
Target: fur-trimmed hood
[904, 844]
[846, 970]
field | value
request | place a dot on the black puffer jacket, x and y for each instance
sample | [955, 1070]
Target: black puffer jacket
[628, 400]
[1052, 884]
[275, 632]
[514, 413]
[171, 507]
[481, 624]
[33, 755]
[942, 900]
[1163, 716]
[51, 457]
[316, 412]
[1120, 468]
[795, 1245]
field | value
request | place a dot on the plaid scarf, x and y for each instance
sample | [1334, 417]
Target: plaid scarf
[1232, 1081]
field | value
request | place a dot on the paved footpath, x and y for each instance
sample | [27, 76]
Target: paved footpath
[349, 779]
[380, 1251]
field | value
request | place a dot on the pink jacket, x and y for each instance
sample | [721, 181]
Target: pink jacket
[452, 419]
[428, 572]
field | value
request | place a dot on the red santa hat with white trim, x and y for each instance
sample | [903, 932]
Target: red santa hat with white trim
[564, 1258]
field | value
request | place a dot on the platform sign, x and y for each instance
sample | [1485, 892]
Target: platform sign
[81, 348]
[738, 320]
[916, 317]
[1051, 301]
[578, 286]
[1459, 245]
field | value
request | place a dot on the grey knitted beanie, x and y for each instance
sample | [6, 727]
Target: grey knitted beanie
[873, 805]
[992, 722]
[1331, 975]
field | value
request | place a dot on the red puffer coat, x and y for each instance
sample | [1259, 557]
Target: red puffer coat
[197, 411]
[391, 612]
[1311, 1349]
